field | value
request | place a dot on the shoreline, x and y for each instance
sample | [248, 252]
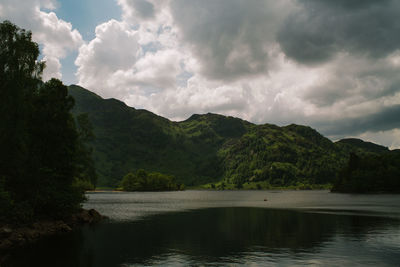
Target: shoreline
[14, 237]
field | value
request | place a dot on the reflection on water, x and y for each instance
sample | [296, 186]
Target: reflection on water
[224, 236]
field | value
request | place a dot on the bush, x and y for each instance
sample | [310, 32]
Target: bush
[155, 181]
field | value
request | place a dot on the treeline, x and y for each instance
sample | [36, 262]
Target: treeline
[44, 159]
[154, 181]
[370, 173]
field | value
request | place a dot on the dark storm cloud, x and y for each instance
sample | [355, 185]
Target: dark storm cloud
[386, 119]
[229, 37]
[319, 29]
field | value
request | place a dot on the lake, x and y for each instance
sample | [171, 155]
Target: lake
[229, 228]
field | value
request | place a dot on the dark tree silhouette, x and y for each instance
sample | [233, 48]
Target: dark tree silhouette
[39, 142]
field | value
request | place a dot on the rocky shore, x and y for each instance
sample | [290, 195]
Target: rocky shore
[12, 237]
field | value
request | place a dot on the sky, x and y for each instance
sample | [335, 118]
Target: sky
[332, 65]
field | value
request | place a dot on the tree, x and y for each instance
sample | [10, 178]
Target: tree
[86, 175]
[154, 181]
[20, 77]
[53, 151]
[38, 138]
[128, 182]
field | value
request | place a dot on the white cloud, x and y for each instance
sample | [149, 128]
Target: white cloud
[56, 35]
[53, 66]
[105, 61]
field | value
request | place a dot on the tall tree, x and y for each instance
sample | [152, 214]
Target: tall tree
[20, 76]
[53, 150]
[39, 141]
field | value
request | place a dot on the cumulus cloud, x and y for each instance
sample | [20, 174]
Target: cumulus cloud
[121, 62]
[55, 35]
[114, 49]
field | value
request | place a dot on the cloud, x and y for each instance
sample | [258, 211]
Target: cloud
[114, 49]
[230, 38]
[354, 80]
[136, 9]
[385, 119]
[55, 35]
[200, 95]
[317, 30]
[120, 63]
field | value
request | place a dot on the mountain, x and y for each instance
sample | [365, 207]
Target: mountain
[208, 148]
[359, 146]
[128, 139]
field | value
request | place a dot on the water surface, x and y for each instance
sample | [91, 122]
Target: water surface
[229, 228]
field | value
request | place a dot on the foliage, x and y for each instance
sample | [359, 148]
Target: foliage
[370, 173]
[86, 173]
[143, 181]
[282, 156]
[39, 142]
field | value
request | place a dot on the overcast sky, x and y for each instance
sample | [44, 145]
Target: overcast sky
[333, 65]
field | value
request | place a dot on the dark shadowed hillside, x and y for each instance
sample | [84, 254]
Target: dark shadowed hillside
[370, 173]
[359, 146]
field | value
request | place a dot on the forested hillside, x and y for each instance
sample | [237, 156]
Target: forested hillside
[209, 148]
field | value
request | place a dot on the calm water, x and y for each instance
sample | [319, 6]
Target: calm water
[229, 228]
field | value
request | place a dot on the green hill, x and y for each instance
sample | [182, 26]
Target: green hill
[207, 148]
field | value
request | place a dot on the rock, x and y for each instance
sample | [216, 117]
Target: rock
[11, 238]
[95, 216]
[86, 217]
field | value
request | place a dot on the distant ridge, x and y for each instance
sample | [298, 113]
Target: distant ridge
[209, 148]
